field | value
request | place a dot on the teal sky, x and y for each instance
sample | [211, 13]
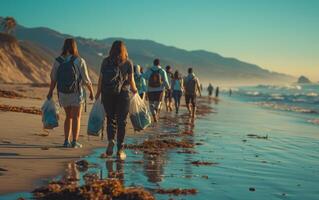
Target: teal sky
[280, 35]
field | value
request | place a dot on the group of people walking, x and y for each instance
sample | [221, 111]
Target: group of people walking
[158, 83]
[118, 78]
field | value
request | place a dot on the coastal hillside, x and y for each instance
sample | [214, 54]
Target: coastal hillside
[208, 66]
[23, 62]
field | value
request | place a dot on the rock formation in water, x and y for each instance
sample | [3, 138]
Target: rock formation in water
[303, 80]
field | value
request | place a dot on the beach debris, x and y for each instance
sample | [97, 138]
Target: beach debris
[29, 110]
[94, 188]
[257, 136]
[199, 143]
[188, 132]
[45, 148]
[205, 177]
[6, 142]
[156, 145]
[3, 169]
[72, 179]
[104, 155]
[82, 165]
[198, 163]
[244, 140]
[177, 191]
[252, 189]
[10, 94]
[169, 135]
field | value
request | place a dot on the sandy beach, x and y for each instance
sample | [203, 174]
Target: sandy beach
[231, 149]
[29, 154]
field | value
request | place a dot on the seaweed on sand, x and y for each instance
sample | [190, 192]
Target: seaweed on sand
[10, 94]
[82, 165]
[93, 189]
[29, 110]
[157, 145]
[177, 191]
[198, 163]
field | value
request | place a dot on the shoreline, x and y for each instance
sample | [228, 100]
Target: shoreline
[30, 155]
[28, 148]
[266, 146]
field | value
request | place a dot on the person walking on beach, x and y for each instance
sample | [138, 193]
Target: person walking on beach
[210, 90]
[157, 82]
[192, 87]
[139, 81]
[69, 74]
[115, 80]
[168, 92]
[177, 87]
[217, 92]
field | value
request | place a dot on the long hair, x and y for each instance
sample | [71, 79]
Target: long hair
[176, 75]
[70, 47]
[118, 52]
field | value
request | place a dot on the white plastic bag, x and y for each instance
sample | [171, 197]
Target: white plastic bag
[139, 113]
[96, 119]
[50, 114]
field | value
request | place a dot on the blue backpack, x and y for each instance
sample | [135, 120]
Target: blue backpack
[68, 80]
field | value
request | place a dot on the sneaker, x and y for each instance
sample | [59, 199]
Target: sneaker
[109, 149]
[76, 144]
[66, 144]
[121, 154]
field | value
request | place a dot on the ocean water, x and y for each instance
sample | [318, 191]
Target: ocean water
[281, 164]
[301, 99]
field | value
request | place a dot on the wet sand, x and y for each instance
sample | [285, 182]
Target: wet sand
[234, 150]
[29, 154]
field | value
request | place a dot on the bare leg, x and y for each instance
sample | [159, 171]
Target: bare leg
[189, 109]
[76, 122]
[166, 104]
[170, 105]
[67, 123]
[193, 112]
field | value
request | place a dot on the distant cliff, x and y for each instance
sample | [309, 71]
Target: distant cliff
[23, 62]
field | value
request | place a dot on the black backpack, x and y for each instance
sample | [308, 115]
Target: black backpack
[112, 79]
[155, 79]
[68, 80]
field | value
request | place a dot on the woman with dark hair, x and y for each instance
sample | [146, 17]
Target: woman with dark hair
[177, 87]
[116, 79]
[69, 73]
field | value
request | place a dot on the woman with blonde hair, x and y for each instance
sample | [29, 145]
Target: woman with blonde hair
[69, 74]
[115, 81]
